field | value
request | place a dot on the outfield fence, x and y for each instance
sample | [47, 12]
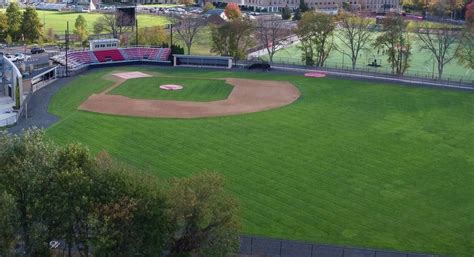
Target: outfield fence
[267, 247]
[452, 79]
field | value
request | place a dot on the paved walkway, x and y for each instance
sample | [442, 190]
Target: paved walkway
[38, 115]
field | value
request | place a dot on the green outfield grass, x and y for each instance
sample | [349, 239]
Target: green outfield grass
[421, 63]
[57, 20]
[202, 90]
[350, 162]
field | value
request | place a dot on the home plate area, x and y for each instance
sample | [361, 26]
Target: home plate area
[131, 75]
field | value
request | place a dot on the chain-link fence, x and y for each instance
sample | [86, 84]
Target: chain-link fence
[411, 73]
[266, 247]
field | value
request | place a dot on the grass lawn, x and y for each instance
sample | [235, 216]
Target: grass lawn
[421, 62]
[57, 20]
[202, 90]
[351, 163]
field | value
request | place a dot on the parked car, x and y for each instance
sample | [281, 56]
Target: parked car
[11, 57]
[2, 46]
[37, 50]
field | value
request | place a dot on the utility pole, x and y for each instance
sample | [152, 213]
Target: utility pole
[67, 47]
[171, 34]
[136, 31]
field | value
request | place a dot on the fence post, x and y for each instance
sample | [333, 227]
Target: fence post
[281, 246]
[251, 246]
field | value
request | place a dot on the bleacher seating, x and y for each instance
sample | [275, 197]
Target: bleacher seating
[81, 58]
[165, 54]
[109, 55]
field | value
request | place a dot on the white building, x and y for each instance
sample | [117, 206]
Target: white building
[329, 6]
[277, 5]
[11, 91]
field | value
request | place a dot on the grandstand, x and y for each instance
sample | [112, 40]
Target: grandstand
[79, 59]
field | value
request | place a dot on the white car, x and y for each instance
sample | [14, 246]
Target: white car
[10, 57]
[22, 57]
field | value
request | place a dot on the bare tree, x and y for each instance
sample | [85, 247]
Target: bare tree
[187, 27]
[394, 40]
[113, 23]
[354, 36]
[465, 54]
[272, 34]
[441, 42]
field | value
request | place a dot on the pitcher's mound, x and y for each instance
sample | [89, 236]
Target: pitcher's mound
[171, 87]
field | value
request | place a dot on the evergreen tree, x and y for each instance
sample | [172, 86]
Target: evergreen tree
[286, 13]
[31, 25]
[297, 15]
[303, 6]
[14, 18]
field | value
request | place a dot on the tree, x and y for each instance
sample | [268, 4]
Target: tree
[8, 40]
[108, 23]
[443, 8]
[50, 35]
[67, 199]
[208, 6]
[204, 217]
[272, 34]
[441, 42]
[394, 40]
[154, 36]
[14, 17]
[354, 36]
[315, 31]
[297, 16]
[31, 25]
[3, 26]
[80, 30]
[129, 205]
[8, 224]
[465, 54]
[232, 11]
[303, 7]
[187, 27]
[24, 163]
[286, 13]
[232, 38]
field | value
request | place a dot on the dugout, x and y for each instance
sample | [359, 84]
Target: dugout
[202, 61]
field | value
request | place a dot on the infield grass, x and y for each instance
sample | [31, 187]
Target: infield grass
[351, 163]
[200, 90]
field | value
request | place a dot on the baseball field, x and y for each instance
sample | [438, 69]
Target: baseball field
[345, 162]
